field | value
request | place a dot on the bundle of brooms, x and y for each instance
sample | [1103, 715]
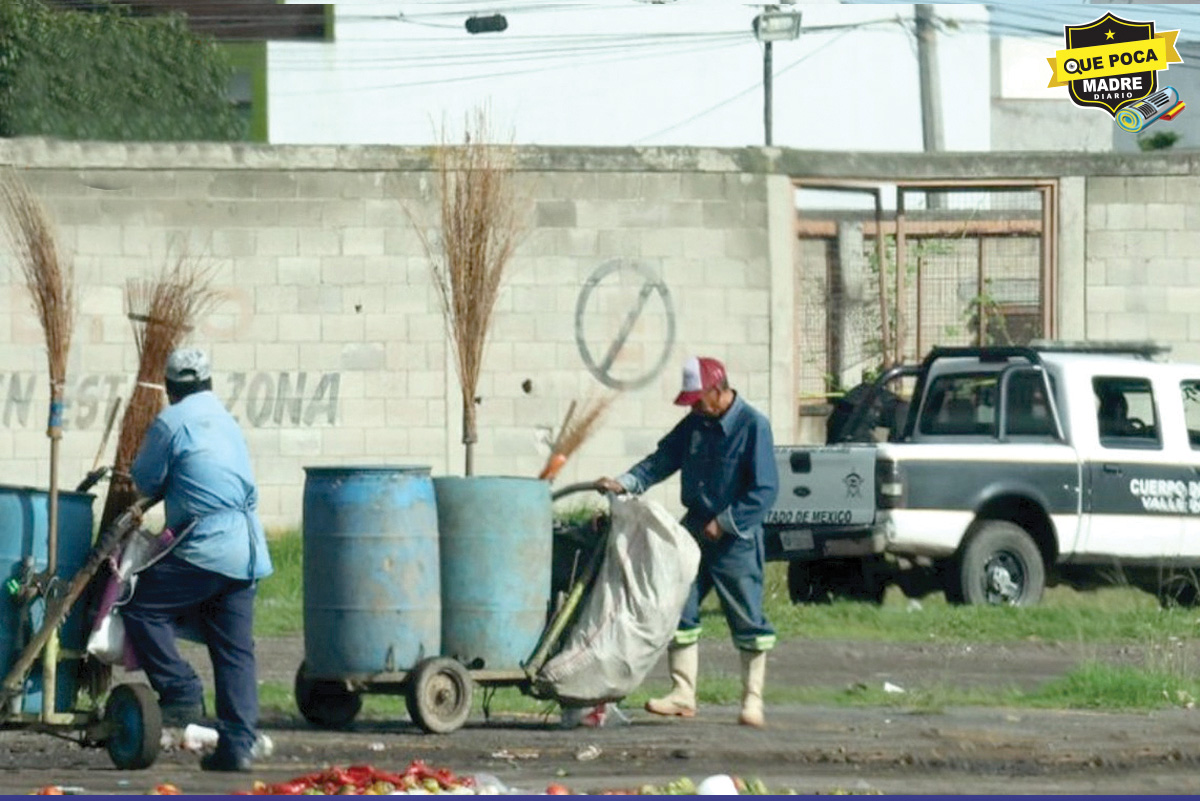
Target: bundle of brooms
[162, 311]
[51, 286]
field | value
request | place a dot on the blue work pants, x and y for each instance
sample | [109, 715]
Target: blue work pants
[733, 566]
[223, 607]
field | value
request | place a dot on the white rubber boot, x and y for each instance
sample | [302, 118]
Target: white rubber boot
[684, 663]
[754, 673]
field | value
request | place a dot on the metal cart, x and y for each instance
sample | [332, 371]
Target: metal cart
[491, 537]
[43, 634]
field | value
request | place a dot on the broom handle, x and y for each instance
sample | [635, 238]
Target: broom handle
[54, 431]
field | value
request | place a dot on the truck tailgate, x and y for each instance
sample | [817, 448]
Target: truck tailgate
[825, 485]
[826, 503]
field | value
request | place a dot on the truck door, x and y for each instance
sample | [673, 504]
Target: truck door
[1137, 496]
[1189, 389]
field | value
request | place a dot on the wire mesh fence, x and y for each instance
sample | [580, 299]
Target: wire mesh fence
[974, 272]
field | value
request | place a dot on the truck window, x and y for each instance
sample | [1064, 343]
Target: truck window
[1028, 409]
[1191, 410]
[961, 404]
[1125, 413]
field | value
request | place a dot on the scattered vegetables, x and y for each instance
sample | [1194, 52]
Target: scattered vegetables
[367, 780]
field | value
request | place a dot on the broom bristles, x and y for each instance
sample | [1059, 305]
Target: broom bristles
[50, 282]
[580, 427]
[162, 311]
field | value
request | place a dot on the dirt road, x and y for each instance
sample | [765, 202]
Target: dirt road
[810, 749]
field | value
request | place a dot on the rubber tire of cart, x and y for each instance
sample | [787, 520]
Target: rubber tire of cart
[324, 702]
[135, 723]
[991, 540]
[439, 695]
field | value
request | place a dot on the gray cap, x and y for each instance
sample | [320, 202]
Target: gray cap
[186, 365]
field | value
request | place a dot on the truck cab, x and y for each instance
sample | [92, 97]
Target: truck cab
[1016, 466]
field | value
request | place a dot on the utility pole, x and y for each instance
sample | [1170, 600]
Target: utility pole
[927, 63]
[767, 102]
[769, 26]
[931, 96]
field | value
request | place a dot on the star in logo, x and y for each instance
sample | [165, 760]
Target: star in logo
[1108, 34]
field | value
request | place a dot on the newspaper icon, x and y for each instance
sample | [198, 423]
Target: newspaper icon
[1163, 104]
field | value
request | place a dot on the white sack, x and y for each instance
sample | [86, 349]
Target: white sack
[632, 611]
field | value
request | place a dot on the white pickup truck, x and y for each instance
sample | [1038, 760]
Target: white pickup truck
[1013, 467]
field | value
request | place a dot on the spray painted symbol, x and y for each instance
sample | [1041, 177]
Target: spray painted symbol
[652, 286]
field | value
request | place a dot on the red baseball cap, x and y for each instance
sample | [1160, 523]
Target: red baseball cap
[699, 374]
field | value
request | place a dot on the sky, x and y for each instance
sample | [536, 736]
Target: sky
[624, 72]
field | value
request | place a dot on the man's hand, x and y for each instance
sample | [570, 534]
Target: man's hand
[712, 530]
[609, 485]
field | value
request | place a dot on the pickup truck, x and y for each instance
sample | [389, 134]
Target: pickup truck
[1011, 468]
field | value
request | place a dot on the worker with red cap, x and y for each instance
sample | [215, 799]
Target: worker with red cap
[724, 451]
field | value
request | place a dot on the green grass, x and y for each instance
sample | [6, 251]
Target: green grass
[279, 604]
[1092, 685]
[1111, 614]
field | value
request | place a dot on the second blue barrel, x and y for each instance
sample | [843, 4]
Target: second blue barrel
[496, 549]
[372, 587]
[24, 534]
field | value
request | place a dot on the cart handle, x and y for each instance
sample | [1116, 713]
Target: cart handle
[571, 489]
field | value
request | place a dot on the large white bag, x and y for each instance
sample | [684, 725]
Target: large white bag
[631, 614]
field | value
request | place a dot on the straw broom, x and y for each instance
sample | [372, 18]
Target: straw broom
[574, 432]
[50, 284]
[481, 223]
[162, 311]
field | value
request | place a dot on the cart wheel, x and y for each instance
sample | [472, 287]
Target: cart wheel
[439, 695]
[135, 726]
[325, 703]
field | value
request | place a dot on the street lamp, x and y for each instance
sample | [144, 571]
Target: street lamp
[770, 26]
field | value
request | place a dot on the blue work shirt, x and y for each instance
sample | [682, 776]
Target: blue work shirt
[194, 455]
[727, 469]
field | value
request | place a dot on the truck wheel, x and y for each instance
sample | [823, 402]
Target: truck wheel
[822, 582]
[1001, 564]
[1179, 588]
[805, 583]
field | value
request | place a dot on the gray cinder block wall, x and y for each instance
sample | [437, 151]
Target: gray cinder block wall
[328, 341]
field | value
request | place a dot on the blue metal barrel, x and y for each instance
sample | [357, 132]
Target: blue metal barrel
[497, 543]
[24, 532]
[372, 593]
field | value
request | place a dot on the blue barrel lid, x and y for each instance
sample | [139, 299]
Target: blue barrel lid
[368, 468]
[24, 489]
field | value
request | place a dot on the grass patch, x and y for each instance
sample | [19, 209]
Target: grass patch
[279, 602]
[1111, 614]
[1092, 685]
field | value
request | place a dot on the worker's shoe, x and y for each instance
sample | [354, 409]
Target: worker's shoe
[225, 761]
[179, 716]
[754, 673]
[684, 663]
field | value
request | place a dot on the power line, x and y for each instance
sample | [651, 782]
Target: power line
[506, 73]
[741, 94]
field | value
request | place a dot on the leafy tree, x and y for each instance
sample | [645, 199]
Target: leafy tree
[1160, 140]
[109, 75]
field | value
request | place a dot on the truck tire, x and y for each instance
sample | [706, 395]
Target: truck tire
[824, 581]
[805, 585]
[1179, 588]
[1001, 564]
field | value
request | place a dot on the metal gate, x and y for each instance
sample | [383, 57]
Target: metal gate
[886, 272]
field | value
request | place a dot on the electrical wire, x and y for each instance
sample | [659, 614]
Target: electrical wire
[502, 74]
[741, 94]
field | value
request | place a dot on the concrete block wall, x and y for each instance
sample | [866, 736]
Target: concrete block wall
[328, 341]
[1143, 260]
